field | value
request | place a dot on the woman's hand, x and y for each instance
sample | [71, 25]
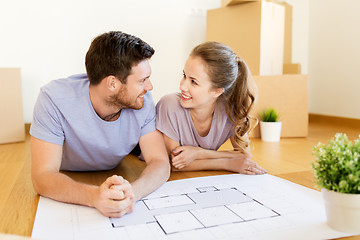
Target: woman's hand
[241, 163]
[183, 155]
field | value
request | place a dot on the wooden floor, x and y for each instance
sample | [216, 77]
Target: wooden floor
[290, 159]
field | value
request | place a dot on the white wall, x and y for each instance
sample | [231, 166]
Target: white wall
[49, 39]
[334, 58]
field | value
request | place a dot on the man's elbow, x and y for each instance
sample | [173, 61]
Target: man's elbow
[168, 171]
[36, 186]
[165, 165]
[39, 186]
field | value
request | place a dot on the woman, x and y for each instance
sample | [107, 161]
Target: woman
[213, 106]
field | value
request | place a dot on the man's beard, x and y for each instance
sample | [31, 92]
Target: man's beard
[122, 100]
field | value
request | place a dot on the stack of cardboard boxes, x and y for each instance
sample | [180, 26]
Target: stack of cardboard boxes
[12, 128]
[260, 32]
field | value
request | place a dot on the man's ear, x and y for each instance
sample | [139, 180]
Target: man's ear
[111, 82]
[217, 92]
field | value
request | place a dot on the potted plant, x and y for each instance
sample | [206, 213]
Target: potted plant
[270, 126]
[337, 173]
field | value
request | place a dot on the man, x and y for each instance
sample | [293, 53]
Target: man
[91, 122]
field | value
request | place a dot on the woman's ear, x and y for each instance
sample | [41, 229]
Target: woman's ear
[217, 92]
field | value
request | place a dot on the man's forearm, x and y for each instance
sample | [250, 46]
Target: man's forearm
[113, 198]
[62, 188]
[154, 175]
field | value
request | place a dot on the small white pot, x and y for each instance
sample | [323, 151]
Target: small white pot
[270, 131]
[342, 211]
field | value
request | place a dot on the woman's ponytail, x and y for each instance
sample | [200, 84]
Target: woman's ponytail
[239, 103]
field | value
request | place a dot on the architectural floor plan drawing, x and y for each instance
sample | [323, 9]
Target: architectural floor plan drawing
[230, 206]
[203, 207]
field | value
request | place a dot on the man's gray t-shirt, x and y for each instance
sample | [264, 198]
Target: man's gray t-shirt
[175, 122]
[64, 115]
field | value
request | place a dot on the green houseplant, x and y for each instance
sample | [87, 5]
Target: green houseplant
[269, 115]
[337, 173]
[270, 126]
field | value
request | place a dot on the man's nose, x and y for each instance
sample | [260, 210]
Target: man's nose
[149, 86]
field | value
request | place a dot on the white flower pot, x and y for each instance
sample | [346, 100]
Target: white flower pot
[270, 131]
[342, 211]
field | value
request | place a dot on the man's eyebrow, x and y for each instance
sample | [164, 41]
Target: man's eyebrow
[144, 78]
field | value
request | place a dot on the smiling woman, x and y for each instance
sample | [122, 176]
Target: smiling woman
[214, 104]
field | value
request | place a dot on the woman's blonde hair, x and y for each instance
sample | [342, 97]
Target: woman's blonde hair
[228, 71]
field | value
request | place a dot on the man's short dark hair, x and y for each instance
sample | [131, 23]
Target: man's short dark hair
[115, 53]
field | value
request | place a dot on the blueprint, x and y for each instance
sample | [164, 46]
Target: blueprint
[231, 206]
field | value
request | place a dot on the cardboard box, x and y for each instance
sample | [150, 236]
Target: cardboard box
[12, 128]
[287, 33]
[254, 30]
[288, 94]
[225, 3]
[292, 68]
